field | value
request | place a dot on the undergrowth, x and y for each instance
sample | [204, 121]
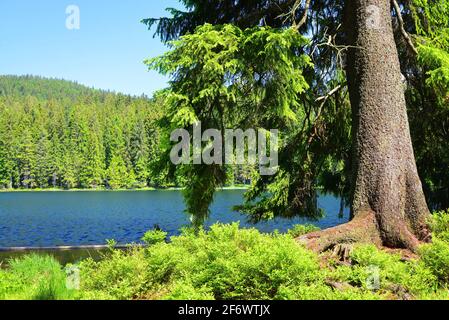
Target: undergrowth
[228, 262]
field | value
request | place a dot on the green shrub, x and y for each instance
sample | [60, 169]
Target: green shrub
[185, 290]
[232, 263]
[300, 230]
[223, 263]
[439, 224]
[435, 256]
[321, 291]
[227, 262]
[395, 277]
[121, 275]
[245, 264]
[153, 237]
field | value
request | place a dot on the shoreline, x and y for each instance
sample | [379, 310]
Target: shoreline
[66, 248]
[110, 190]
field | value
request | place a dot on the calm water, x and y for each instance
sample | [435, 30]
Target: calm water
[44, 219]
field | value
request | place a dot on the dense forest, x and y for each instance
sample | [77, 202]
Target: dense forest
[59, 134]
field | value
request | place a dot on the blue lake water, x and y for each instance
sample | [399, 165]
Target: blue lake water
[41, 219]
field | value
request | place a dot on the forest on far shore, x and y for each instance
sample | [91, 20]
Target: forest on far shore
[60, 134]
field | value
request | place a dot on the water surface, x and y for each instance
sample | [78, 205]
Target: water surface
[45, 219]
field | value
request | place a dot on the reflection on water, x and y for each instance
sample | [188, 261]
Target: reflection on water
[45, 219]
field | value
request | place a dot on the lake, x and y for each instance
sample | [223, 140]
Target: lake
[46, 219]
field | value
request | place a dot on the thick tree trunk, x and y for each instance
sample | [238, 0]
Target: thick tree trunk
[388, 200]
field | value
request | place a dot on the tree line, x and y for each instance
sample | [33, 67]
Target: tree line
[59, 134]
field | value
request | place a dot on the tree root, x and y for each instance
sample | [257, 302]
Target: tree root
[362, 229]
[342, 252]
[340, 286]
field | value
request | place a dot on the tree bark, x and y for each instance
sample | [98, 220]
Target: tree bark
[388, 200]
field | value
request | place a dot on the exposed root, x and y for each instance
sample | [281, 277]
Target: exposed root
[342, 252]
[365, 228]
[340, 286]
[398, 292]
[362, 229]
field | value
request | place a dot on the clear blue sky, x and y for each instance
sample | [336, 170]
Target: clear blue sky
[107, 52]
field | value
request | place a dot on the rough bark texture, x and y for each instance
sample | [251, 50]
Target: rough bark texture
[363, 228]
[388, 200]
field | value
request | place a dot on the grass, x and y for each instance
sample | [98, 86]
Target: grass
[34, 277]
[228, 262]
